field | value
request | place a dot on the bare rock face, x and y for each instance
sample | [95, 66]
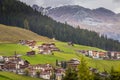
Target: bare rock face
[100, 20]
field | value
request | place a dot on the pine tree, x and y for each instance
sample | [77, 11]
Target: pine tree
[26, 24]
[83, 71]
[115, 74]
[57, 63]
[70, 75]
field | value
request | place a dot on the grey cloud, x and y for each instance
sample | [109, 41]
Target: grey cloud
[116, 1]
[113, 5]
[56, 2]
[46, 3]
[30, 2]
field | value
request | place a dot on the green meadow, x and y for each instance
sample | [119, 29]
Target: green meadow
[12, 76]
[67, 52]
[7, 49]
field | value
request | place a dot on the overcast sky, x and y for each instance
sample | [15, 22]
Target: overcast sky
[113, 5]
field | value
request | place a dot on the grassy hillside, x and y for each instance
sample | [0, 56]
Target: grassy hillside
[12, 76]
[71, 52]
[14, 34]
[68, 53]
[8, 49]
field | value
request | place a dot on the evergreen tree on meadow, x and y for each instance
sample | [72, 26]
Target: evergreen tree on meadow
[83, 71]
[70, 74]
[115, 74]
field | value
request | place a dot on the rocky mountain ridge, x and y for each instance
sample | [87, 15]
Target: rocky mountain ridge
[101, 20]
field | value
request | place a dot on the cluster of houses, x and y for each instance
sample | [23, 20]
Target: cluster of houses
[13, 64]
[72, 63]
[101, 74]
[46, 71]
[17, 65]
[101, 55]
[47, 48]
[43, 69]
[30, 43]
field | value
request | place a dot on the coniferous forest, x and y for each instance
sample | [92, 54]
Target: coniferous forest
[16, 13]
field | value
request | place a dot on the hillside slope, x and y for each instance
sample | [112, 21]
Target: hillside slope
[12, 76]
[14, 34]
[67, 53]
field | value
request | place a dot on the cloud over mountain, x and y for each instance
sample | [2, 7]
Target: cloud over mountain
[92, 4]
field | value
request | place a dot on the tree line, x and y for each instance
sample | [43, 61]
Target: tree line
[16, 13]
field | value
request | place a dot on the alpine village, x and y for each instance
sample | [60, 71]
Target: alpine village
[36, 46]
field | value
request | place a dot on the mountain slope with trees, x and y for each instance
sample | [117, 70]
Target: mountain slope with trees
[16, 13]
[100, 20]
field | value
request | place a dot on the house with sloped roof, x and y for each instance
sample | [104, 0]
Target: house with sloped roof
[44, 69]
[73, 63]
[47, 48]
